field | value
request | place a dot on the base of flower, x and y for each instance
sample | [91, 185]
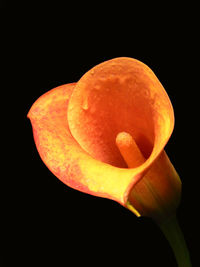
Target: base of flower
[174, 235]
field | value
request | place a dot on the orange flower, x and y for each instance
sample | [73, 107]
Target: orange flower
[105, 135]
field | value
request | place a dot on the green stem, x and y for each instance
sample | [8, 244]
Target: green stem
[174, 235]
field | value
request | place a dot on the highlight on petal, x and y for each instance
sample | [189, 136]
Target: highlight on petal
[77, 141]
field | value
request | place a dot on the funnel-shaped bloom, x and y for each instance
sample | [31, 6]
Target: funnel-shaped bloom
[105, 135]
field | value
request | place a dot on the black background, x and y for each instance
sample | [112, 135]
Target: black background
[47, 47]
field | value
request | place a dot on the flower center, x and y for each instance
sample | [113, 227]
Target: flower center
[129, 150]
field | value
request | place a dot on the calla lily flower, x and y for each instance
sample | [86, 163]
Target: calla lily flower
[105, 135]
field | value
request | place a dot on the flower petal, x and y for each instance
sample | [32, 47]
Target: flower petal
[69, 161]
[119, 95]
[63, 155]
